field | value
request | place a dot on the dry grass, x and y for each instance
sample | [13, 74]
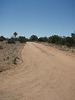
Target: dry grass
[70, 50]
[9, 55]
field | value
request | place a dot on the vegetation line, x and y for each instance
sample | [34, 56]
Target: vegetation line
[68, 41]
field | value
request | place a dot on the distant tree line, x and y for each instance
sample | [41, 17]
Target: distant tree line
[55, 39]
[68, 41]
[13, 40]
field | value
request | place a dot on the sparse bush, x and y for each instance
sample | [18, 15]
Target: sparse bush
[16, 39]
[62, 41]
[69, 41]
[33, 38]
[73, 35]
[54, 39]
[27, 39]
[22, 39]
[2, 38]
[11, 41]
[43, 39]
[68, 44]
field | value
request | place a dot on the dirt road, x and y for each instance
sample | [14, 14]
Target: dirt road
[46, 73]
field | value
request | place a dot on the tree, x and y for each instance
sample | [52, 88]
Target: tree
[54, 39]
[62, 41]
[22, 39]
[33, 38]
[69, 41]
[42, 39]
[73, 35]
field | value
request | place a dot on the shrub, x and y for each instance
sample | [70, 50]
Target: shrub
[69, 41]
[11, 41]
[73, 35]
[33, 38]
[16, 39]
[62, 41]
[43, 39]
[68, 44]
[54, 39]
[2, 38]
[22, 39]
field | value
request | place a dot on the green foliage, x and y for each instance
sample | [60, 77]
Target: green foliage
[62, 41]
[43, 39]
[73, 35]
[22, 39]
[69, 41]
[16, 39]
[2, 38]
[54, 39]
[27, 39]
[11, 41]
[33, 38]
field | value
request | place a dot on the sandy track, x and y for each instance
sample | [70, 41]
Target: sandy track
[45, 74]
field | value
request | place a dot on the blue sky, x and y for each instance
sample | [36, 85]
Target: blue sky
[39, 17]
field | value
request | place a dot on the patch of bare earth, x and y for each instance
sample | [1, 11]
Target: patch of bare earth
[45, 73]
[9, 55]
[67, 50]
